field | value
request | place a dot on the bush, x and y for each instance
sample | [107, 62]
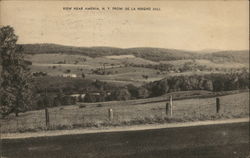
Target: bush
[68, 100]
[68, 71]
[90, 98]
[120, 94]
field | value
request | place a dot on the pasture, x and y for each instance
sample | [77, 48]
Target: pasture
[124, 69]
[144, 111]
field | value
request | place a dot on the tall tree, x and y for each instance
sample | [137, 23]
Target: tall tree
[15, 93]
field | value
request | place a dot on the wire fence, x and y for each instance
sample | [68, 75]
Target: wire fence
[96, 115]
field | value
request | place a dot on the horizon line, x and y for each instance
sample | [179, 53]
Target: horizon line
[99, 46]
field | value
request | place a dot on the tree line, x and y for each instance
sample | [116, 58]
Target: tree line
[211, 82]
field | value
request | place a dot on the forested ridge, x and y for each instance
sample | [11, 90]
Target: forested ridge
[153, 54]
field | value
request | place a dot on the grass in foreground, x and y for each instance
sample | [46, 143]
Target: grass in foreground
[128, 113]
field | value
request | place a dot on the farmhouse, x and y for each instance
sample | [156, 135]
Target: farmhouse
[78, 97]
[90, 96]
[69, 75]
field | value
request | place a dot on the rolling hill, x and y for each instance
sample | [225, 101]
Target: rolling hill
[130, 65]
[153, 54]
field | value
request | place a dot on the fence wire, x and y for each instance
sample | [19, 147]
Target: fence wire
[95, 115]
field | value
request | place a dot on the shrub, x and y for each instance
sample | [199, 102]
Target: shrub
[120, 94]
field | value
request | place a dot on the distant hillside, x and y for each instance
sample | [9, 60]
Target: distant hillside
[54, 48]
[153, 54]
[228, 56]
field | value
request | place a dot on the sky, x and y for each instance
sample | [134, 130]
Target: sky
[188, 25]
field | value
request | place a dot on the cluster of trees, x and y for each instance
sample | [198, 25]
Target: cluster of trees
[230, 81]
[102, 71]
[55, 84]
[99, 71]
[61, 62]
[124, 93]
[192, 66]
[161, 66]
[211, 82]
[58, 99]
[39, 74]
[59, 90]
[179, 83]
[188, 66]
[52, 100]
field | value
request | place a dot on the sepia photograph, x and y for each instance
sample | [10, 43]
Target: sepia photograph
[124, 79]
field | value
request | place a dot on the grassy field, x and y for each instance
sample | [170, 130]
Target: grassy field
[144, 111]
[78, 64]
[117, 69]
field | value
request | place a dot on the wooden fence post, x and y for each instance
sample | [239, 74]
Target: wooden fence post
[171, 106]
[47, 116]
[110, 111]
[217, 105]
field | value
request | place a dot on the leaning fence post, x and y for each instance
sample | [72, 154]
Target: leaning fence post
[47, 116]
[110, 111]
[171, 105]
[217, 105]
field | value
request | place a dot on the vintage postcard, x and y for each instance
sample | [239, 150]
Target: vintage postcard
[124, 79]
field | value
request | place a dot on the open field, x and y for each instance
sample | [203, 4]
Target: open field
[129, 113]
[208, 63]
[123, 68]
